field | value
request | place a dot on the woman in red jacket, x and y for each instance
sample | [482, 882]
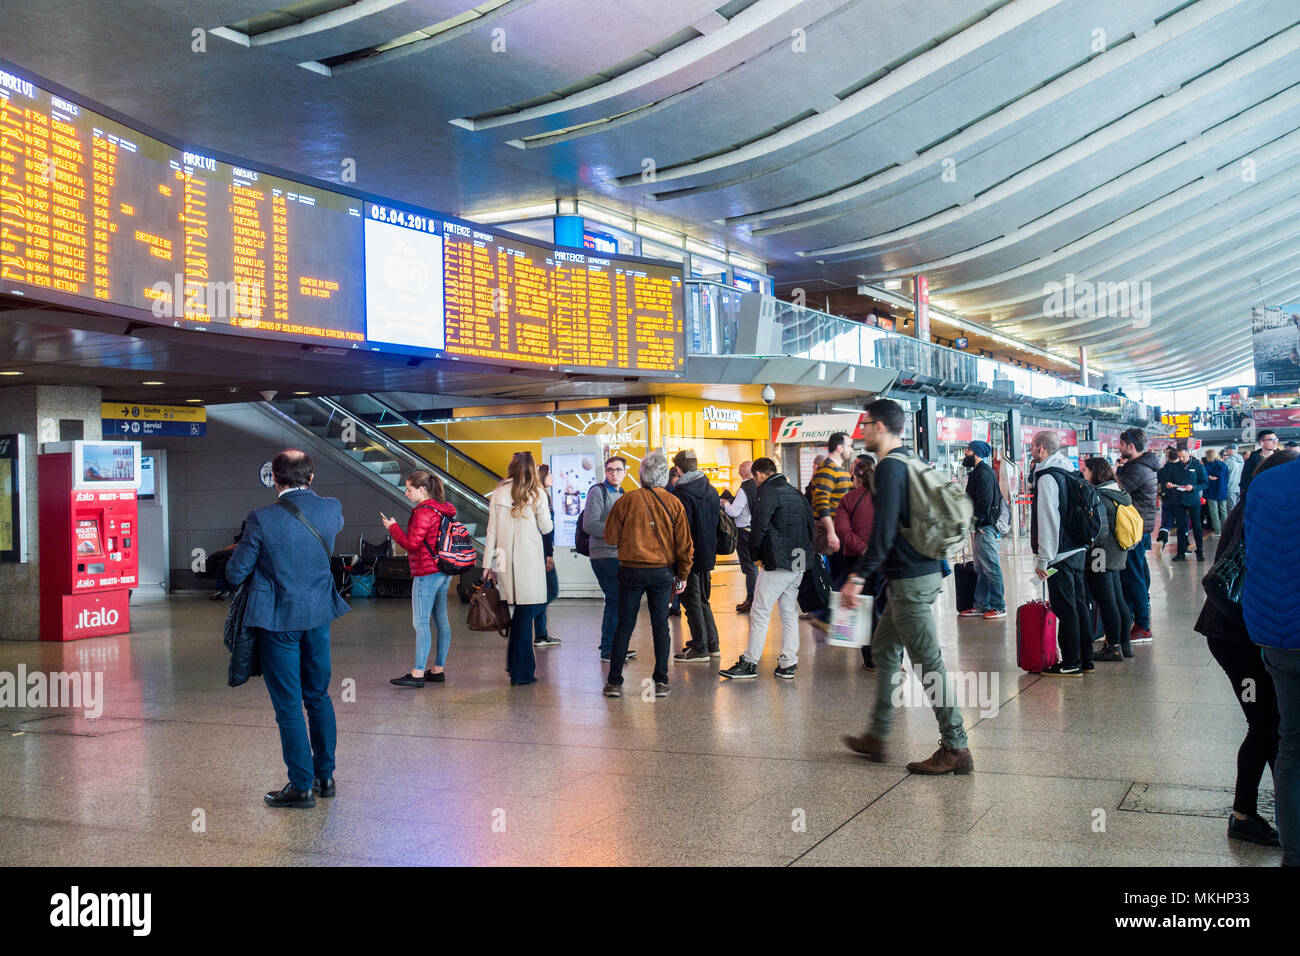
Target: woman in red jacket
[428, 584]
[854, 517]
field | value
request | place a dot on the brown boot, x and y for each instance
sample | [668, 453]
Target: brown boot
[945, 760]
[870, 747]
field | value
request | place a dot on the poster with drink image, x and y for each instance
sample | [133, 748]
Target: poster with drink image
[574, 475]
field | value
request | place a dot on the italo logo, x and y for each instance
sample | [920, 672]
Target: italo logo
[75, 909]
[83, 690]
[100, 617]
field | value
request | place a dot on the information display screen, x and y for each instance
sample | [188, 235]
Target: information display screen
[502, 299]
[94, 209]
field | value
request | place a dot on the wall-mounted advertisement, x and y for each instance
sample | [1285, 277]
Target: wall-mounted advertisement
[1275, 335]
[574, 475]
[13, 499]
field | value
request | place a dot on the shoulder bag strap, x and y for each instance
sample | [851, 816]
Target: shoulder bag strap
[667, 552]
[294, 510]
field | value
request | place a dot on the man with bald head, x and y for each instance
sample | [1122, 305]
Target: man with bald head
[741, 508]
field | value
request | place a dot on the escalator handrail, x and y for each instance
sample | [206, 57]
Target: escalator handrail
[438, 440]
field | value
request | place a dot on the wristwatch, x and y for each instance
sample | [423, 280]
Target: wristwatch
[857, 579]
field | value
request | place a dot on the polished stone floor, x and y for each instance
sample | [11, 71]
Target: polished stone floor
[1131, 766]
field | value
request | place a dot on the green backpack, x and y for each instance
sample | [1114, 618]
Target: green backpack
[941, 510]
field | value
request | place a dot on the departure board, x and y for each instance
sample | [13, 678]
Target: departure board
[502, 299]
[90, 208]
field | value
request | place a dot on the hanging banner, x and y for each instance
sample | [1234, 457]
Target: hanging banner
[1275, 336]
[1069, 437]
[1276, 418]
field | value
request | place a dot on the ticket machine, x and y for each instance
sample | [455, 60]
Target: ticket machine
[89, 537]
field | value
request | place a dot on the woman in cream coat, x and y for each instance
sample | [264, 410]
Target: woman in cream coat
[518, 516]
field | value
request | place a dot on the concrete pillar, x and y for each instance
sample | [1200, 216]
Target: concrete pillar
[41, 413]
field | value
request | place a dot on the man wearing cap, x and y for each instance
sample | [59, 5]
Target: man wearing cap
[702, 505]
[982, 487]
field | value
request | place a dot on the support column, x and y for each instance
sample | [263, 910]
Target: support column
[926, 428]
[1083, 366]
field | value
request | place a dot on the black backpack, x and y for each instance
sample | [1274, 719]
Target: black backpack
[1081, 520]
[581, 539]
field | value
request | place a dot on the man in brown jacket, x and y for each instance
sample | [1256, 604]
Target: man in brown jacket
[650, 529]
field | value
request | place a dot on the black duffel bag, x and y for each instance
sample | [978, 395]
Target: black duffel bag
[815, 588]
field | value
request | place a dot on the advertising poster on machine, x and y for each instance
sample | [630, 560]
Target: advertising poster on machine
[574, 475]
[1275, 336]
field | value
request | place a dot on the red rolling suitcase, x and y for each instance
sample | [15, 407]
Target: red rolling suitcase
[1036, 636]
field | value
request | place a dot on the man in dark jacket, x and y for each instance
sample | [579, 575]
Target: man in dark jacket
[781, 539]
[982, 487]
[1137, 475]
[286, 550]
[702, 505]
[1186, 482]
[1168, 498]
[915, 582]
[1267, 439]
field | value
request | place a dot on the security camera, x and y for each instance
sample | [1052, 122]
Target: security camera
[769, 395]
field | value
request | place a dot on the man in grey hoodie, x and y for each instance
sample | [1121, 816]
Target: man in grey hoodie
[1060, 561]
[604, 556]
[1235, 464]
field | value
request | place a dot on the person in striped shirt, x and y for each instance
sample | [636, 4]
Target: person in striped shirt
[831, 482]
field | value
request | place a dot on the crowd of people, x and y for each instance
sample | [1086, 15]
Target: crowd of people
[1090, 533]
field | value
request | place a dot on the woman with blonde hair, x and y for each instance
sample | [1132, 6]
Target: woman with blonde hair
[518, 517]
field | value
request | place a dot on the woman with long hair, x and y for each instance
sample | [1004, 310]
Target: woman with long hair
[515, 556]
[420, 541]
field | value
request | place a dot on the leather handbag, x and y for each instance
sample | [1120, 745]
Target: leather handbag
[1226, 579]
[487, 611]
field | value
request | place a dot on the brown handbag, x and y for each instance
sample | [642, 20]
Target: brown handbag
[487, 612]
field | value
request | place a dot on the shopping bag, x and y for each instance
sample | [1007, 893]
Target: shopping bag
[850, 626]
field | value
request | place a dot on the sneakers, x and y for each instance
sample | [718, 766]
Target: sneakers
[945, 760]
[613, 690]
[994, 615]
[604, 658]
[741, 670]
[1139, 636]
[785, 673]
[1060, 670]
[544, 641]
[716, 652]
[439, 678]
[661, 690]
[693, 655]
[406, 680]
[872, 748]
[970, 612]
[1163, 537]
[1252, 830]
[1109, 653]
[1128, 652]
[1087, 668]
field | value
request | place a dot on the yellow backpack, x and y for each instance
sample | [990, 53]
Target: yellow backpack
[1128, 526]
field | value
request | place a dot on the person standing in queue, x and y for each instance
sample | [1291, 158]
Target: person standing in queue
[702, 505]
[601, 498]
[516, 557]
[741, 509]
[986, 499]
[420, 541]
[650, 529]
[286, 551]
[1136, 474]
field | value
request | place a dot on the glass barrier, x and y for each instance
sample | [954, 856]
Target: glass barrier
[713, 320]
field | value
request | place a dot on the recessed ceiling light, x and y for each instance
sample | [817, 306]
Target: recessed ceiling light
[153, 383]
[194, 400]
[302, 393]
[11, 373]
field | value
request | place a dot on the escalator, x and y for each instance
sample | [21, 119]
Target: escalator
[381, 445]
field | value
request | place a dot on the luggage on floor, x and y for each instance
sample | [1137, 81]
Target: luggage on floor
[466, 582]
[964, 576]
[1036, 636]
[363, 584]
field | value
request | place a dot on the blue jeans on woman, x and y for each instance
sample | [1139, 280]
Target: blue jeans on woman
[429, 597]
[1284, 667]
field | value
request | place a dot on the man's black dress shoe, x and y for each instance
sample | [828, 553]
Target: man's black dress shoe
[291, 797]
[323, 788]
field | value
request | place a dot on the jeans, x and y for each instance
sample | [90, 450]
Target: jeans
[552, 592]
[519, 651]
[988, 571]
[296, 665]
[429, 596]
[699, 614]
[1243, 662]
[908, 624]
[1068, 595]
[1193, 514]
[776, 588]
[606, 570]
[1284, 667]
[1116, 618]
[747, 566]
[656, 584]
[1135, 579]
[1218, 513]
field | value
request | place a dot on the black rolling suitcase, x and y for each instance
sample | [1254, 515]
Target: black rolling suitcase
[393, 577]
[963, 575]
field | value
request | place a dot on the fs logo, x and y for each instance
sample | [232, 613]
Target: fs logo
[789, 429]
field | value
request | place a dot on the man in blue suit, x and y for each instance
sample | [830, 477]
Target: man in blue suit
[286, 549]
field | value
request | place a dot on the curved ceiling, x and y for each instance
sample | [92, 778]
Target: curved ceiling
[1004, 148]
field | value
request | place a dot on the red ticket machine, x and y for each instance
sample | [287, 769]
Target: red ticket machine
[89, 536]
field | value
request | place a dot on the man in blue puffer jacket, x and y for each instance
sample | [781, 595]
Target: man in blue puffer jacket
[1271, 606]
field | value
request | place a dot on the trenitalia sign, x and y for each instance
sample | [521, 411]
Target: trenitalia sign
[809, 429]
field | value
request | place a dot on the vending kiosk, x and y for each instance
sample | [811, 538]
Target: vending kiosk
[89, 536]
